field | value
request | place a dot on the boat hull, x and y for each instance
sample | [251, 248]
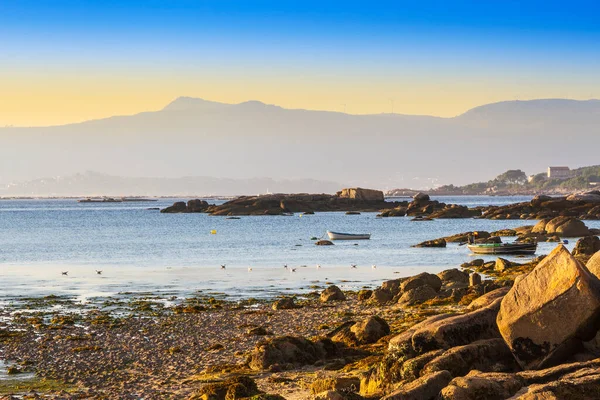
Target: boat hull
[348, 236]
[503, 248]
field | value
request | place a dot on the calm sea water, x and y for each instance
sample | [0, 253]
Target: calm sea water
[140, 249]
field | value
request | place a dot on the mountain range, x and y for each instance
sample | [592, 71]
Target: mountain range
[193, 137]
[94, 184]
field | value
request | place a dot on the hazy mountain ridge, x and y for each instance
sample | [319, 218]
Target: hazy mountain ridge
[195, 137]
[97, 184]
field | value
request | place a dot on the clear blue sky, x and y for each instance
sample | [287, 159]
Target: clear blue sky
[73, 60]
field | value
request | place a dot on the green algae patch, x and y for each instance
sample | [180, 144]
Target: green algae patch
[38, 385]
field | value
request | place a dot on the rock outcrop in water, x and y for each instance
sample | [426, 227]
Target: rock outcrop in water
[584, 206]
[354, 199]
[192, 206]
[423, 206]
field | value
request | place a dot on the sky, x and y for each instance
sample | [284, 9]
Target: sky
[69, 61]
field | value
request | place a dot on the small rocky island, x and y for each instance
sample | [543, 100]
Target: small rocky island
[352, 199]
[582, 206]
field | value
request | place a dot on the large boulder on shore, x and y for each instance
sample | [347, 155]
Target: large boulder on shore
[593, 264]
[367, 331]
[550, 311]
[417, 295]
[483, 355]
[453, 278]
[424, 388]
[285, 350]
[456, 330]
[566, 227]
[370, 330]
[421, 279]
[586, 247]
[540, 227]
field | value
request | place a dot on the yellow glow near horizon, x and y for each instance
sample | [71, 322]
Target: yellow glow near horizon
[56, 100]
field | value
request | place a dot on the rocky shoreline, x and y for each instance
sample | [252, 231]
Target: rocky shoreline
[493, 330]
[581, 205]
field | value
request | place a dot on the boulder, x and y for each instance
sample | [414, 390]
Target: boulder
[411, 368]
[381, 296]
[566, 227]
[482, 385]
[421, 279]
[593, 265]
[332, 293]
[478, 262]
[386, 373]
[464, 236]
[403, 341]
[421, 198]
[370, 330]
[502, 264]
[432, 243]
[453, 275]
[504, 232]
[538, 385]
[197, 205]
[427, 387]
[540, 227]
[232, 388]
[364, 294]
[488, 298]
[483, 355]
[293, 350]
[586, 247]
[453, 211]
[177, 207]
[550, 311]
[523, 230]
[394, 212]
[324, 243]
[457, 330]
[583, 384]
[474, 279]
[361, 194]
[392, 286]
[554, 373]
[417, 295]
[287, 303]
[539, 199]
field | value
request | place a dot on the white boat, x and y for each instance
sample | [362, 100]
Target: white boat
[348, 236]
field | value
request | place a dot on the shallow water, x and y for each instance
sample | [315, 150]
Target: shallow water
[142, 250]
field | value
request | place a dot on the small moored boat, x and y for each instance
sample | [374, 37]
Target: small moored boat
[348, 236]
[503, 248]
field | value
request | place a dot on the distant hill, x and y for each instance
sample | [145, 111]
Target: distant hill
[515, 182]
[196, 137]
[97, 184]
